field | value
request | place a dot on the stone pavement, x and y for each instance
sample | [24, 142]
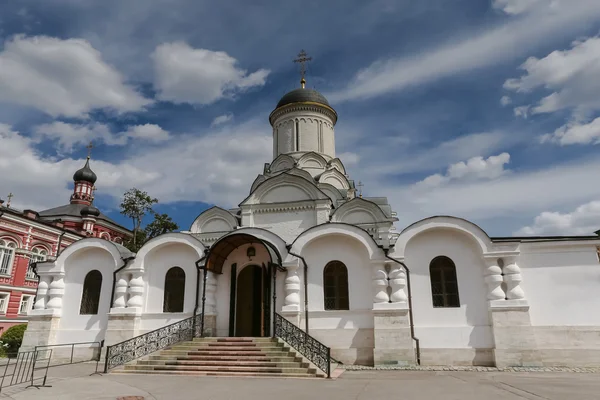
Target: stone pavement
[361, 385]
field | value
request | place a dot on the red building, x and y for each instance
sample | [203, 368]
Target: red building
[27, 236]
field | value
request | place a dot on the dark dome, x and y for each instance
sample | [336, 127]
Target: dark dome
[301, 95]
[85, 174]
[90, 210]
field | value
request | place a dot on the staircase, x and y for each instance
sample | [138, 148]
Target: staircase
[228, 356]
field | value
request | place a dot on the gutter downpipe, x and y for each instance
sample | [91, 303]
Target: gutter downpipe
[289, 248]
[410, 307]
[115, 272]
[198, 268]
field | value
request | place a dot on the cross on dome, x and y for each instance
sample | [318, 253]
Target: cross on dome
[302, 60]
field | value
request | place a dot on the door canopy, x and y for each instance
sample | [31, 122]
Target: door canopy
[219, 252]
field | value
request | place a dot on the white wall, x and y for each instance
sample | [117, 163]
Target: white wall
[85, 328]
[286, 225]
[464, 327]
[561, 284]
[156, 264]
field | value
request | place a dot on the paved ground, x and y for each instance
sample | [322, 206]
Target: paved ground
[367, 385]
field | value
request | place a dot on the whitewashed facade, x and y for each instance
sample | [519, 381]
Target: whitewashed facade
[306, 245]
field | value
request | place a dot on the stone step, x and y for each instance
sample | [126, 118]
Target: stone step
[139, 367]
[227, 358]
[235, 339]
[183, 353]
[223, 363]
[205, 373]
[224, 348]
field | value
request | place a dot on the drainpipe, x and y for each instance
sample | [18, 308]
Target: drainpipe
[59, 243]
[305, 287]
[198, 268]
[410, 307]
[112, 294]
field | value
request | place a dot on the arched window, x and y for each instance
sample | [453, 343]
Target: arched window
[7, 251]
[335, 286]
[174, 290]
[38, 254]
[444, 285]
[92, 286]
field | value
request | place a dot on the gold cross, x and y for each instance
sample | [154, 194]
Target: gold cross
[10, 196]
[302, 59]
[360, 186]
[90, 147]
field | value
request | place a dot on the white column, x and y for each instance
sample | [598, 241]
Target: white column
[292, 289]
[493, 278]
[380, 284]
[56, 292]
[211, 292]
[398, 283]
[42, 292]
[120, 291]
[513, 278]
[136, 290]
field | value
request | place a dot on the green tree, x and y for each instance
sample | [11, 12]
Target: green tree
[12, 339]
[162, 224]
[136, 205]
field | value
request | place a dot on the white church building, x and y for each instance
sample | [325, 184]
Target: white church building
[305, 245]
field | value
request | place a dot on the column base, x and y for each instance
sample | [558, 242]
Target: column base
[42, 330]
[391, 330]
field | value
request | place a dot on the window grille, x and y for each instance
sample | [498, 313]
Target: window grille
[174, 290]
[7, 251]
[90, 299]
[444, 284]
[335, 286]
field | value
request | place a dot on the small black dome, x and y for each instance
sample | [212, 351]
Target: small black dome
[90, 210]
[85, 174]
[302, 95]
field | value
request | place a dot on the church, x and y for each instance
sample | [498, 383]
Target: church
[305, 246]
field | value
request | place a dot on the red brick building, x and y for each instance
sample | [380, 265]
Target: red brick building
[27, 236]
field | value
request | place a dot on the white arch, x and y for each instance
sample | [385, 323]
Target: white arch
[165, 240]
[12, 238]
[308, 189]
[281, 163]
[265, 235]
[477, 234]
[86, 244]
[337, 164]
[329, 229]
[213, 214]
[331, 191]
[360, 208]
[312, 160]
[334, 178]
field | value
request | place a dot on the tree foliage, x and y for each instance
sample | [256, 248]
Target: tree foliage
[162, 224]
[12, 338]
[136, 205]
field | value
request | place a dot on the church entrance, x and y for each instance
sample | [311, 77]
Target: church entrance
[250, 303]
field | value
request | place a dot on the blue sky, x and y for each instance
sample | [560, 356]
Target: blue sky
[482, 109]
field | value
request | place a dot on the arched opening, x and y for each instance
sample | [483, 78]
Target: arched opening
[90, 299]
[444, 284]
[250, 298]
[335, 286]
[174, 294]
[7, 251]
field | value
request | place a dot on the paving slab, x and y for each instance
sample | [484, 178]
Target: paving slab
[360, 385]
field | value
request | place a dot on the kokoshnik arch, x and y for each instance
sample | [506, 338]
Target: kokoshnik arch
[306, 245]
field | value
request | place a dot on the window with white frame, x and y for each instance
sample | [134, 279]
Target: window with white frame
[4, 302]
[37, 255]
[7, 252]
[26, 303]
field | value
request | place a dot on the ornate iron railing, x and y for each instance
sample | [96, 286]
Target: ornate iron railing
[315, 351]
[149, 342]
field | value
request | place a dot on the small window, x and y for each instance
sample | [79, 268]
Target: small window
[4, 302]
[26, 304]
[92, 287]
[335, 286]
[174, 290]
[444, 285]
[7, 251]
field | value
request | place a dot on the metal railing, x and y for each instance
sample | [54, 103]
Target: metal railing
[315, 351]
[147, 343]
[91, 345]
[23, 368]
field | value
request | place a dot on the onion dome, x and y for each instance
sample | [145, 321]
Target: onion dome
[90, 211]
[302, 95]
[85, 174]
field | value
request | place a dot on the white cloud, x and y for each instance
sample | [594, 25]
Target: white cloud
[476, 168]
[575, 133]
[199, 76]
[70, 135]
[571, 74]
[62, 78]
[521, 111]
[585, 220]
[522, 6]
[349, 158]
[221, 119]
[505, 100]
[480, 49]
[150, 132]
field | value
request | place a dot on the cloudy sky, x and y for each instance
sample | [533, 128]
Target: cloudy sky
[483, 109]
